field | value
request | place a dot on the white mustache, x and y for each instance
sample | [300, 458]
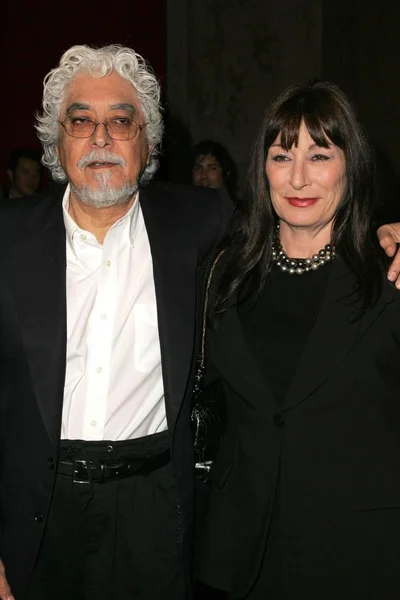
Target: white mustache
[101, 156]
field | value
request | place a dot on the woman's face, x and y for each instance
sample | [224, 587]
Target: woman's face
[307, 183]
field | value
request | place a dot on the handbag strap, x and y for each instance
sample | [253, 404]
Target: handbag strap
[202, 466]
[202, 356]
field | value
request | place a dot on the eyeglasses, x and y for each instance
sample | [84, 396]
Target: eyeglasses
[118, 128]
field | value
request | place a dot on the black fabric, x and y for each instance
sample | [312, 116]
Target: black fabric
[116, 540]
[277, 326]
[205, 592]
[269, 583]
[332, 448]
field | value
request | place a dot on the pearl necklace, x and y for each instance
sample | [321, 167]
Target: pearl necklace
[300, 265]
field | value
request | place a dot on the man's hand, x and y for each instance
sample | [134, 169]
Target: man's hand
[389, 236]
[5, 591]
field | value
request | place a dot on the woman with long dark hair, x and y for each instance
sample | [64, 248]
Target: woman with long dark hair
[304, 498]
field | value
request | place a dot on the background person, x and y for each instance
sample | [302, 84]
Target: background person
[24, 171]
[213, 167]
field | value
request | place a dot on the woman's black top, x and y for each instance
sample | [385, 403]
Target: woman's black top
[278, 324]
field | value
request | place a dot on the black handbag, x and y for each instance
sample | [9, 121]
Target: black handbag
[208, 415]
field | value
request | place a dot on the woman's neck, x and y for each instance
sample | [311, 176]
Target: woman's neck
[303, 242]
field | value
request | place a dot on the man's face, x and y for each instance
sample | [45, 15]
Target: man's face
[25, 179]
[207, 172]
[102, 171]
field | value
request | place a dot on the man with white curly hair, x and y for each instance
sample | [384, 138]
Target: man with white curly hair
[100, 319]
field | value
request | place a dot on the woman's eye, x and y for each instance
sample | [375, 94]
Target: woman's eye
[280, 158]
[319, 157]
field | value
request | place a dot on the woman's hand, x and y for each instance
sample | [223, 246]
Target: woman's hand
[389, 237]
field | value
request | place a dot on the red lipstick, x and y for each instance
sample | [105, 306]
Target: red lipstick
[301, 202]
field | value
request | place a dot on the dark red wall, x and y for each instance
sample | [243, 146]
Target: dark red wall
[33, 36]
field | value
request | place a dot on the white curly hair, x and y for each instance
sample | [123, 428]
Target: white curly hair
[98, 62]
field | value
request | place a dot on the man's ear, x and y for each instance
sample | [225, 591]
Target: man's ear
[10, 176]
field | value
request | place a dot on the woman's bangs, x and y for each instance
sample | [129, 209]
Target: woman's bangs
[321, 127]
[326, 131]
[289, 130]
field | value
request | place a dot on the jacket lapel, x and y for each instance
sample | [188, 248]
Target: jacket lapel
[234, 360]
[37, 275]
[175, 257]
[336, 332]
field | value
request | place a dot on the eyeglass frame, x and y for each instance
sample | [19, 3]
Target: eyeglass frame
[96, 124]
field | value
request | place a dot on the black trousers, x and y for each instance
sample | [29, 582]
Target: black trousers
[115, 540]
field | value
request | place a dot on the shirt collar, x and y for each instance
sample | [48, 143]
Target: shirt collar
[134, 215]
[70, 226]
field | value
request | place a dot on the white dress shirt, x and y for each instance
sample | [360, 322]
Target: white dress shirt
[113, 386]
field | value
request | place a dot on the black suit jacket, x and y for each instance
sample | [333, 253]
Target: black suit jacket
[333, 448]
[183, 225]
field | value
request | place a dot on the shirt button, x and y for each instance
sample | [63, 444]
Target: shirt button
[93, 423]
[103, 317]
[39, 517]
[50, 463]
[279, 420]
[83, 237]
[99, 370]
[108, 263]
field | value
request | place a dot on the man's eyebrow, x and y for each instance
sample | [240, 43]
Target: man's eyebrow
[76, 106]
[124, 106]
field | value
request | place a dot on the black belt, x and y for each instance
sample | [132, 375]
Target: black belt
[85, 471]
